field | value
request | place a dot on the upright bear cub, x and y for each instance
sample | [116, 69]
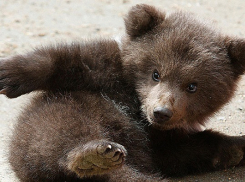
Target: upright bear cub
[144, 103]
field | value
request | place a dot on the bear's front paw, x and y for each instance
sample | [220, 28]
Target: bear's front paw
[96, 157]
[19, 75]
[12, 78]
[231, 153]
[232, 158]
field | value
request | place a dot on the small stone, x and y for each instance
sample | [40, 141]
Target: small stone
[41, 34]
[221, 118]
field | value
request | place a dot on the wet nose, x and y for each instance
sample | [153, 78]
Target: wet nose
[162, 114]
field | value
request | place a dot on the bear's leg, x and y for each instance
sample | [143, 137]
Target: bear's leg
[178, 153]
[95, 158]
[61, 138]
[58, 138]
[63, 67]
[230, 152]
[102, 160]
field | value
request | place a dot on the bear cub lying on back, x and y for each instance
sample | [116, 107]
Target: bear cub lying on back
[145, 101]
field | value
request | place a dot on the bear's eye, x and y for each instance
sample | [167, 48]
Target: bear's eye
[156, 76]
[192, 88]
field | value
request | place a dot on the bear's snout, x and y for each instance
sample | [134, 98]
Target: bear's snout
[162, 114]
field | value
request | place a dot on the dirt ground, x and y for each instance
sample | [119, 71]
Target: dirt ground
[25, 24]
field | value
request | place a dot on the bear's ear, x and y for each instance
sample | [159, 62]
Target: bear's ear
[236, 53]
[141, 19]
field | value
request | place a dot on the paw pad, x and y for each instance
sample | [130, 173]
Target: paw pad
[98, 157]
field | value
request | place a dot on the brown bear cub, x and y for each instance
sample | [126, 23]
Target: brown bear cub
[144, 103]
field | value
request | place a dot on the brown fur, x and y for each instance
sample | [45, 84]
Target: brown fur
[60, 132]
[97, 99]
[184, 51]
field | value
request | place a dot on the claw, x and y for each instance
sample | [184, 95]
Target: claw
[109, 147]
[3, 91]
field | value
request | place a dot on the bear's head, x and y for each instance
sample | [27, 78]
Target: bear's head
[183, 70]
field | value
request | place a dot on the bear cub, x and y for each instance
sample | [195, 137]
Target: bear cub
[144, 102]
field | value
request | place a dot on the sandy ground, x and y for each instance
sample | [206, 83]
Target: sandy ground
[25, 24]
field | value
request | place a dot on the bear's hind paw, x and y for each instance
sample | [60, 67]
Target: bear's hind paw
[96, 158]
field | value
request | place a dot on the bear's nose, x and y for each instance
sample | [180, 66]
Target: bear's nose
[162, 114]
